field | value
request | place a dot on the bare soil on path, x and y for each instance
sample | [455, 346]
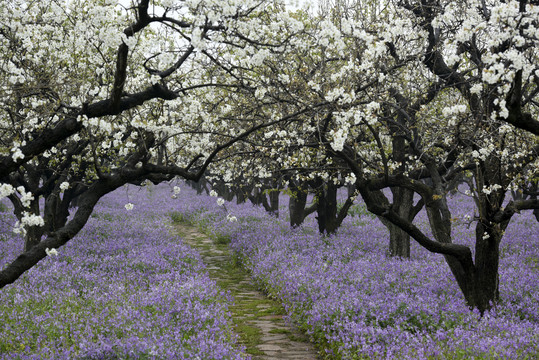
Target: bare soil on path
[259, 321]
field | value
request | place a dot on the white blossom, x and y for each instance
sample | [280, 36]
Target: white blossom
[26, 197]
[489, 189]
[6, 190]
[350, 179]
[476, 88]
[29, 219]
[17, 154]
[339, 137]
[51, 252]
[64, 186]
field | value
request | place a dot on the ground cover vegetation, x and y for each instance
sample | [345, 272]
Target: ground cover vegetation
[125, 288]
[358, 303]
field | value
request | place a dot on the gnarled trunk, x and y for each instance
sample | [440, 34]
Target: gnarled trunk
[485, 291]
[403, 205]
[399, 240]
[273, 206]
[330, 217]
[32, 237]
[327, 208]
[296, 204]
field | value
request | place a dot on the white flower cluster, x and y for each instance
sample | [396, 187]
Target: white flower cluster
[196, 39]
[27, 220]
[17, 154]
[51, 252]
[483, 153]
[260, 92]
[454, 110]
[168, 3]
[129, 206]
[258, 58]
[476, 88]
[350, 179]
[334, 94]
[339, 137]
[26, 197]
[489, 189]
[32, 220]
[330, 34]
[175, 191]
[6, 190]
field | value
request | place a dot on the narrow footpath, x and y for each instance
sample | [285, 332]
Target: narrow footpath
[259, 320]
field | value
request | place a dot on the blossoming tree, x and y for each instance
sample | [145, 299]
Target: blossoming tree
[458, 99]
[418, 96]
[98, 94]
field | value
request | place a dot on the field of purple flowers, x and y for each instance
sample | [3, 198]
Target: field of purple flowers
[357, 303]
[124, 288]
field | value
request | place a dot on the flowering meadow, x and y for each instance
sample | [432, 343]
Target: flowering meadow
[356, 303]
[124, 288]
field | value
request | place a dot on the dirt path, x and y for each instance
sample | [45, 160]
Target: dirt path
[259, 321]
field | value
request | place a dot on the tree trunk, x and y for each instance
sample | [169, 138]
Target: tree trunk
[485, 291]
[403, 204]
[296, 205]
[28, 259]
[440, 224]
[274, 202]
[32, 237]
[479, 283]
[330, 217]
[256, 196]
[223, 190]
[399, 242]
[241, 195]
[327, 207]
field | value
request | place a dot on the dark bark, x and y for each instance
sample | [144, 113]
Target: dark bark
[297, 203]
[241, 194]
[266, 195]
[403, 205]
[257, 196]
[329, 216]
[32, 237]
[399, 240]
[223, 190]
[41, 142]
[274, 202]
[200, 186]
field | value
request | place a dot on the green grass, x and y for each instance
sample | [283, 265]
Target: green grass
[179, 218]
[221, 239]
